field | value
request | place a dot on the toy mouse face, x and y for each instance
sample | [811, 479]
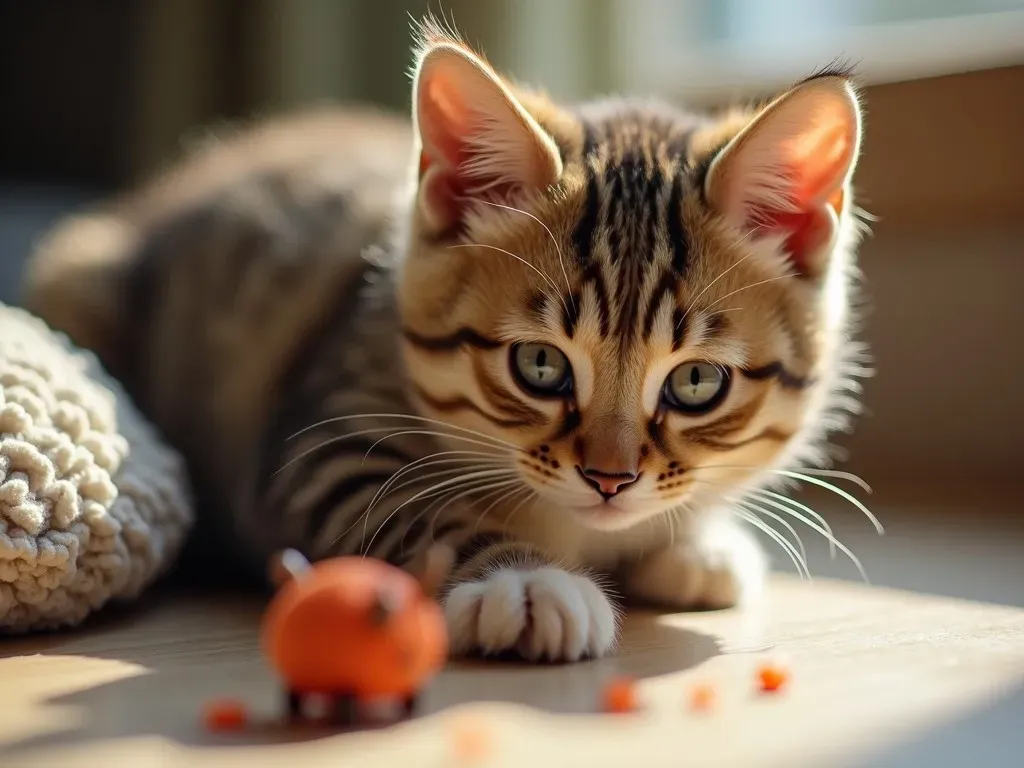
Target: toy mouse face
[352, 625]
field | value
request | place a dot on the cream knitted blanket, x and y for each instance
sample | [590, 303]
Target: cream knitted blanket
[93, 505]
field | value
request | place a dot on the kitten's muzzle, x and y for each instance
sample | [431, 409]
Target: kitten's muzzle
[607, 484]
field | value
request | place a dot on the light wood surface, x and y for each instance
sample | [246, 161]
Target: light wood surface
[870, 667]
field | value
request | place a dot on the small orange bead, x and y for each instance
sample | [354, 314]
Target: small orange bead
[225, 715]
[772, 677]
[703, 698]
[620, 696]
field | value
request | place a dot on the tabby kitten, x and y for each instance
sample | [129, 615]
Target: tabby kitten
[564, 344]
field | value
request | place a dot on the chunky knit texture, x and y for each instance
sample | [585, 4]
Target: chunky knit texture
[93, 505]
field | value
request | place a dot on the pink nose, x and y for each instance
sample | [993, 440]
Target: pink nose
[607, 484]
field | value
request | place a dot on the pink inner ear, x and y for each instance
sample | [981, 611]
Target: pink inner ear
[816, 162]
[444, 122]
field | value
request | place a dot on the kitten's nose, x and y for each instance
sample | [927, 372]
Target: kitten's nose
[608, 484]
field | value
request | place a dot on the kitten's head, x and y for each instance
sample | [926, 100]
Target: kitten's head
[650, 306]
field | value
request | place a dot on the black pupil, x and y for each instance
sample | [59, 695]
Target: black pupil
[542, 359]
[694, 376]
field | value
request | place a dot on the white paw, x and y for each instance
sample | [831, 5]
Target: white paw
[723, 567]
[540, 614]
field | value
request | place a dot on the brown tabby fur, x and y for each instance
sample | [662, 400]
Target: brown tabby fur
[282, 280]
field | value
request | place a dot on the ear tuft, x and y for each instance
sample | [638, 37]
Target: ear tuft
[788, 171]
[476, 139]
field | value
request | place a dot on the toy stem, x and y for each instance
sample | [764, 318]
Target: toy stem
[286, 565]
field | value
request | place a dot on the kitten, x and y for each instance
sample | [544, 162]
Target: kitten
[563, 340]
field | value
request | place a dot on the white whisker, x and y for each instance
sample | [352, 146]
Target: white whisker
[429, 492]
[468, 457]
[838, 491]
[707, 287]
[558, 249]
[754, 508]
[517, 258]
[531, 494]
[378, 430]
[474, 464]
[833, 541]
[408, 417]
[779, 539]
[748, 287]
[765, 495]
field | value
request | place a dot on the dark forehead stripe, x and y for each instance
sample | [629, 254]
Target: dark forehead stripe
[583, 234]
[678, 240]
[571, 314]
[776, 370]
[717, 325]
[537, 305]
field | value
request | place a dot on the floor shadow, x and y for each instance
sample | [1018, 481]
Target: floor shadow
[167, 696]
[989, 736]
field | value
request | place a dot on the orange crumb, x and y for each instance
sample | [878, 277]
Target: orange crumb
[772, 677]
[225, 715]
[620, 696]
[471, 739]
[702, 698]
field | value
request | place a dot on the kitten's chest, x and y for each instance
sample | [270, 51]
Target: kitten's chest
[577, 546]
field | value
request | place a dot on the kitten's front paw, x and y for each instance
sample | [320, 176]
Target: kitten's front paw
[724, 567]
[545, 613]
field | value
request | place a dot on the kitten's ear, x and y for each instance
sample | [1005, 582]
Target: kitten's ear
[475, 138]
[787, 172]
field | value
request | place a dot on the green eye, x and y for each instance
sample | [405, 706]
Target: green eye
[541, 369]
[696, 387]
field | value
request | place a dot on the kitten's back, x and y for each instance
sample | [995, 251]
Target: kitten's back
[75, 275]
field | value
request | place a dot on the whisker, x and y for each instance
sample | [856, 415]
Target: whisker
[517, 258]
[765, 494]
[381, 495]
[838, 491]
[558, 248]
[747, 287]
[833, 541]
[432, 459]
[408, 417]
[364, 516]
[855, 479]
[427, 493]
[779, 539]
[502, 495]
[531, 494]
[483, 486]
[378, 430]
[707, 287]
[754, 508]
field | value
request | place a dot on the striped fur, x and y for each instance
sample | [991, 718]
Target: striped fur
[338, 373]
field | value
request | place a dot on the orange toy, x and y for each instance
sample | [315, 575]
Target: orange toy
[351, 629]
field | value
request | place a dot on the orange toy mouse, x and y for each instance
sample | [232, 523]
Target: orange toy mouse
[351, 630]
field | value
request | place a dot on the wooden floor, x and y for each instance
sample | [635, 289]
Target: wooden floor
[879, 677]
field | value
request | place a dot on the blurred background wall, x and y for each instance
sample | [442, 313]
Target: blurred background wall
[96, 94]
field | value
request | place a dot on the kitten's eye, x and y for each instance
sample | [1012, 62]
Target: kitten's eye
[541, 369]
[696, 387]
